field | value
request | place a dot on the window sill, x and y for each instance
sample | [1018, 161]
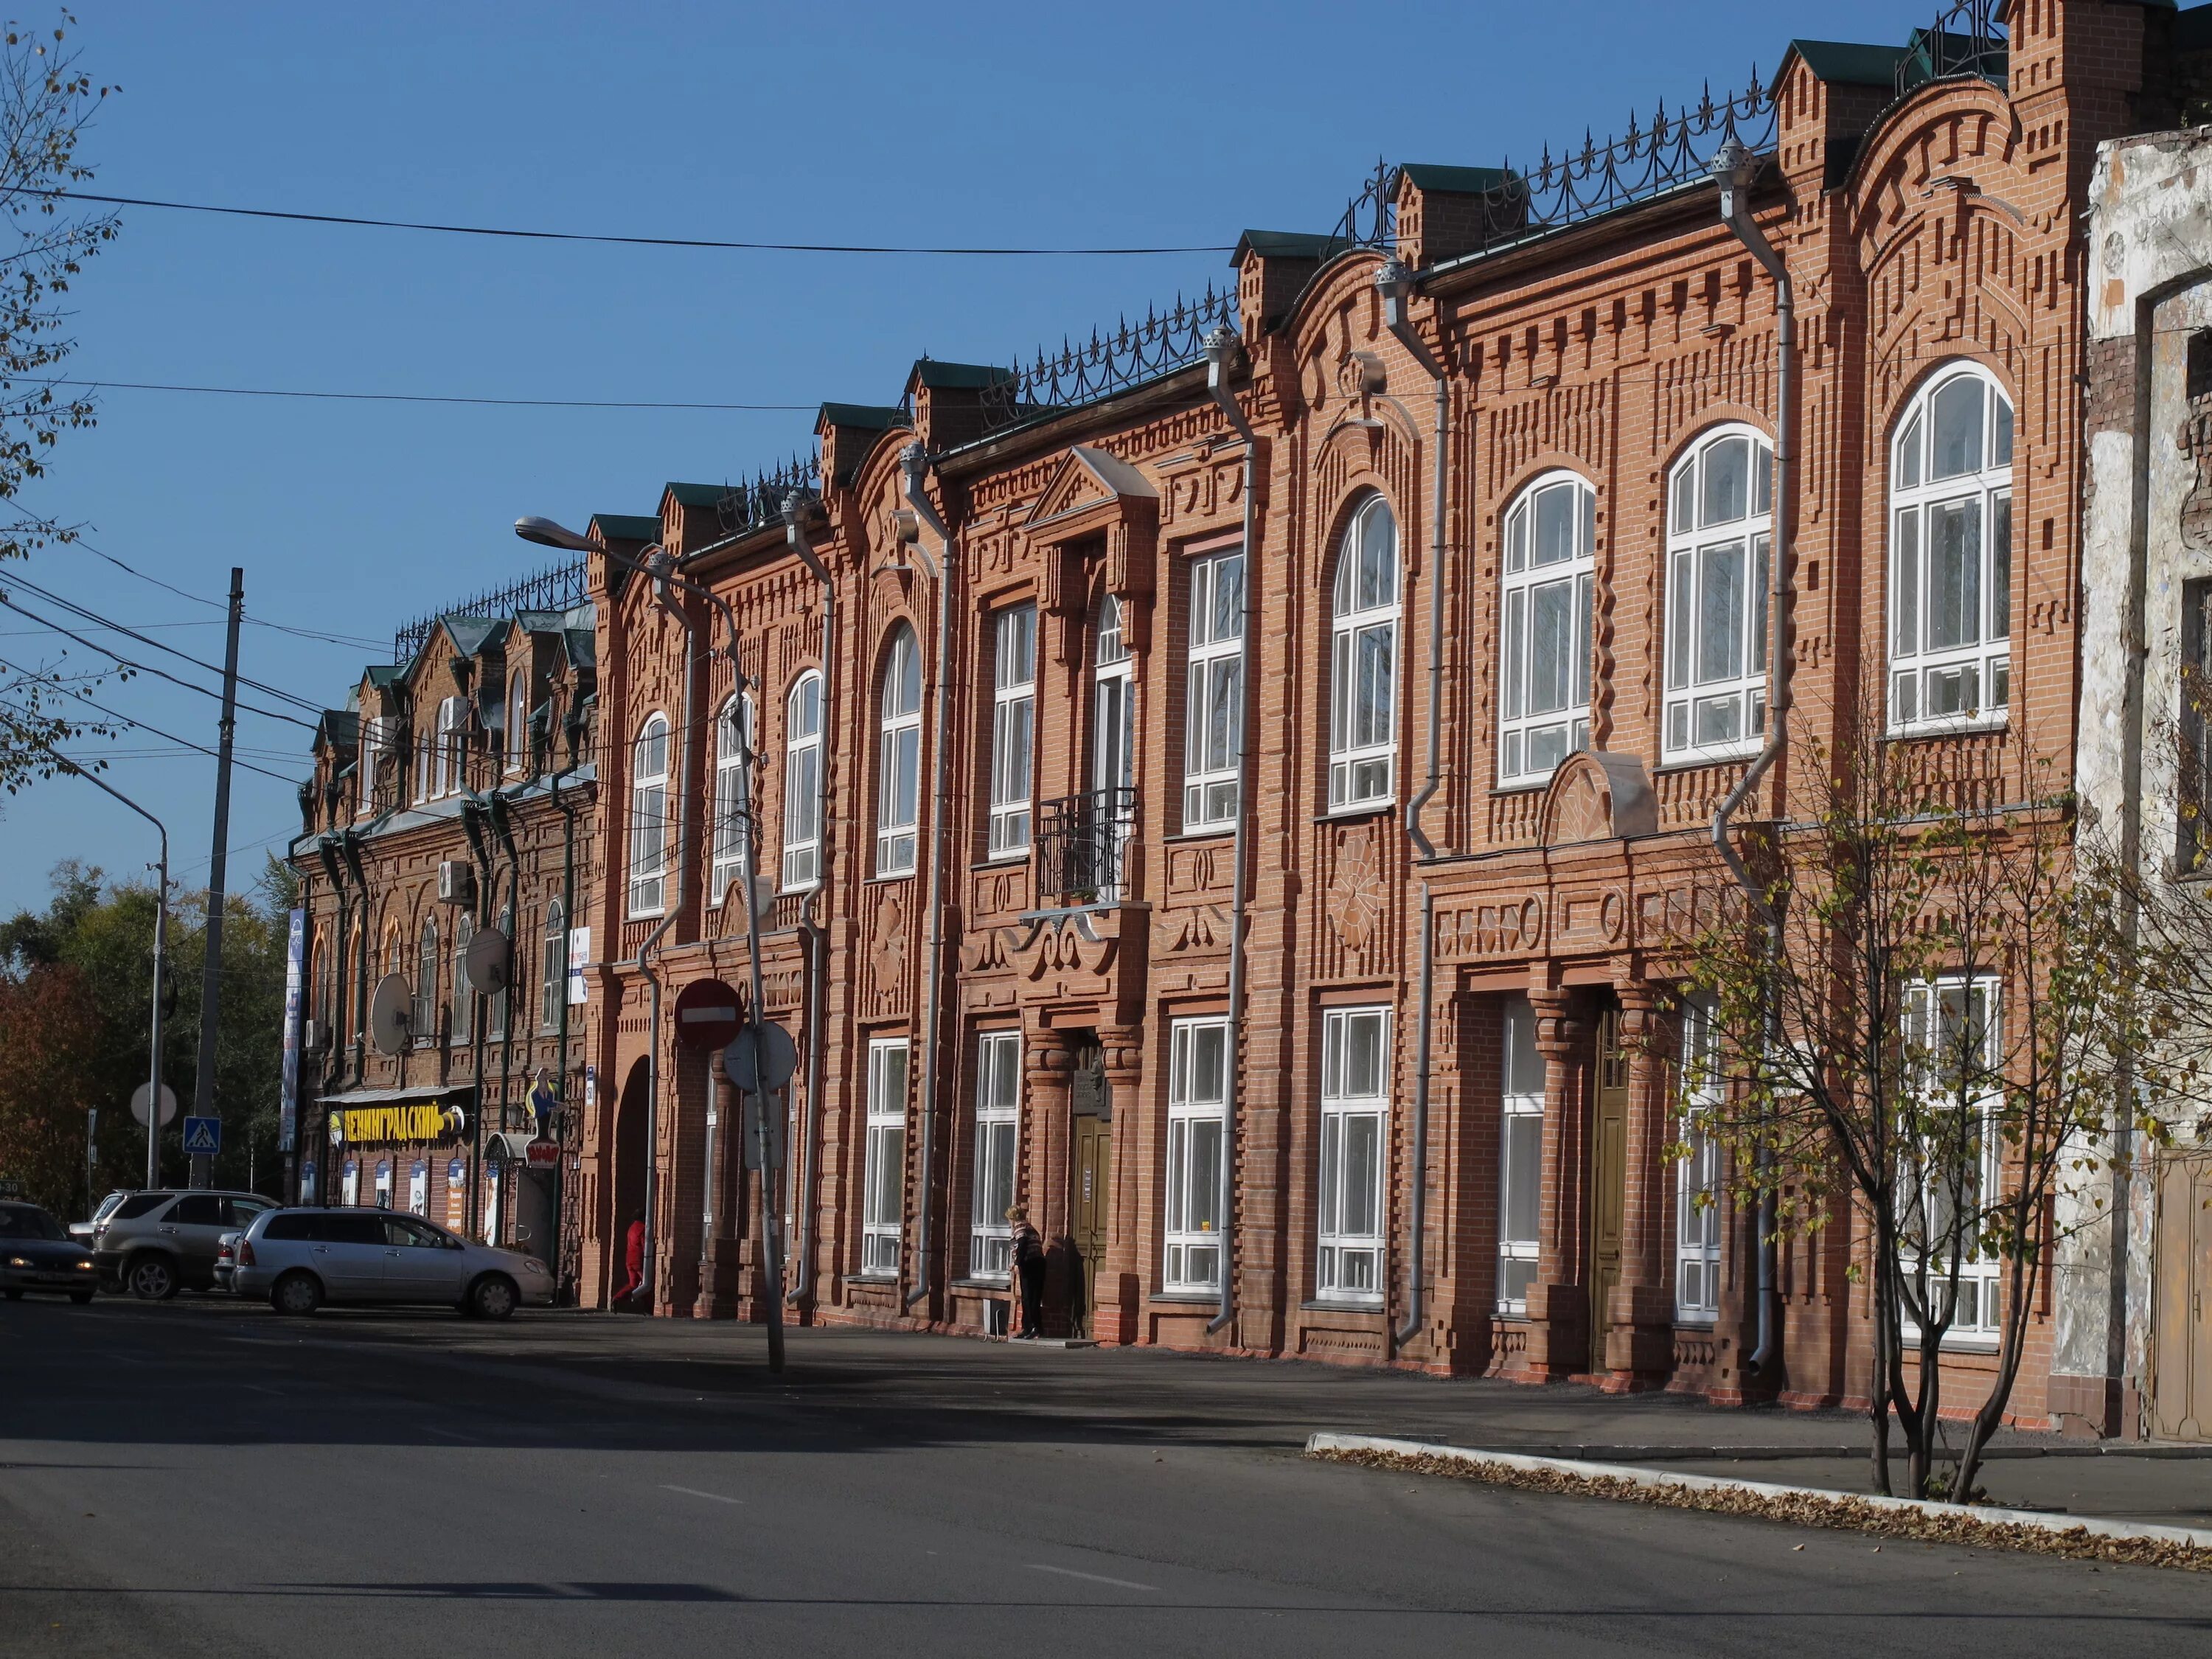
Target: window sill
[883, 878]
[1343, 1304]
[1002, 861]
[1184, 1299]
[1522, 786]
[1209, 832]
[1980, 725]
[977, 1284]
[1689, 760]
[1697, 1322]
[1352, 814]
[645, 915]
[879, 1281]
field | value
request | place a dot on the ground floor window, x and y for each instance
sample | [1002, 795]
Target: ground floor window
[1697, 1176]
[1198, 1101]
[998, 1129]
[1953, 1042]
[883, 1210]
[1520, 1156]
[1355, 1108]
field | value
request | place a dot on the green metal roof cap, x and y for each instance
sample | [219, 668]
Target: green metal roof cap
[693, 494]
[1287, 244]
[627, 526]
[1464, 181]
[867, 418]
[941, 376]
[1849, 63]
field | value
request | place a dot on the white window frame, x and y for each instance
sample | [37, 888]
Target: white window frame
[733, 738]
[452, 726]
[1975, 675]
[375, 739]
[803, 784]
[1523, 732]
[650, 760]
[464, 1023]
[1363, 657]
[1698, 1176]
[553, 962]
[1520, 1153]
[1348, 1256]
[997, 1155]
[1213, 706]
[1013, 728]
[497, 1007]
[1716, 696]
[518, 720]
[1198, 1110]
[1113, 738]
[1978, 1321]
[883, 1161]
[427, 964]
[898, 762]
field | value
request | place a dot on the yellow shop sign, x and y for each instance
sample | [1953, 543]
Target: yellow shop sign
[366, 1124]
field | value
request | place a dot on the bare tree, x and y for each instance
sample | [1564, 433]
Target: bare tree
[46, 104]
[1939, 1050]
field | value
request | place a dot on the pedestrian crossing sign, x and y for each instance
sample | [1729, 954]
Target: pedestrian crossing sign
[203, 1135]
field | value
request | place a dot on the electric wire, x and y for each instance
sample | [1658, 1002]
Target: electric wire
[142, 668]
[428, 397]
[144, 725]
[218, 605]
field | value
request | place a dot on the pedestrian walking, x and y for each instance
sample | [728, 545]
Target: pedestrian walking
[1028, 1269]
[633, 1260]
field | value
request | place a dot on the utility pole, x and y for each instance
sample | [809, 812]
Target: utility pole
[211, 974]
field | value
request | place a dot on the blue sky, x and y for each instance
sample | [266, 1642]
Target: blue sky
[960, 123]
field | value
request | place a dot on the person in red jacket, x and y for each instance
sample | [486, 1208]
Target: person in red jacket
[633, 1261]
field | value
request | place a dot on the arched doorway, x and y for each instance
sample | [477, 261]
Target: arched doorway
[630, 1152]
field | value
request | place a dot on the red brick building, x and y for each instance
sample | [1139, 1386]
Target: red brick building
[1227, 789]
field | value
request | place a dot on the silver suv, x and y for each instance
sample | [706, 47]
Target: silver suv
[154, 1244]
[301, 1258]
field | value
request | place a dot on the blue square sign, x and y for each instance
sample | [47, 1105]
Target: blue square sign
[203, 1135]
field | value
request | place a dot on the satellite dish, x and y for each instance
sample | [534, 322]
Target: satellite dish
[762, 1058]
[168, 1105]
[389, 1016]
[490, 962]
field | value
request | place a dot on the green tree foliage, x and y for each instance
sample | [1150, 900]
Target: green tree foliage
[74, 980]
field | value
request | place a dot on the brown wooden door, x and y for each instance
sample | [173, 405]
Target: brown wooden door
[1090, 1207]
[1608, 1180]
[2181, 1334]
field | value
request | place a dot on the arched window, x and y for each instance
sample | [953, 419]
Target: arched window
[464, 1024]
[518, 720]
[648, 817]
[733, 742]
[553, 967]
[426, 984]
[1363, 677]
[802, 783]
[1113, 748]
[898, 776]
[1550, 532]
[1950, 555]
[495, 1004]
[1720, 533]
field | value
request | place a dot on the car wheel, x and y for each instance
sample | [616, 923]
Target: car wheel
[151, 1278]
[81, 1297]
[493, 1297]
[297, 1293]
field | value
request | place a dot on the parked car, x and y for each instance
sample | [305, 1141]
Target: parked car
[36, 1254]
[301, 1258]
[155, 1243]
[84, 1231]
[226, 1259]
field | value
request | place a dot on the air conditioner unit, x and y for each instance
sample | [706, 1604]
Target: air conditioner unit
[311, 1036]
[457, 882]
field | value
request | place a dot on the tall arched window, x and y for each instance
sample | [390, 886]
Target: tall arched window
[898, 776]
[463, 1025]
[1364, 659]
[553, 967]
[1720, 532]
[802, 783]
[1113, 747]
[495, 1004]
[518, 720]
[648, 817]
[1950, 554]
[426, 984]
[733, 742]
[1550, 532]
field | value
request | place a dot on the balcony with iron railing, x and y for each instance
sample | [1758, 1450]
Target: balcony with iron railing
[1084, 844]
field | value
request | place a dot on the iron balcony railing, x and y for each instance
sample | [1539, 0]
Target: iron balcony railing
[1083, 845]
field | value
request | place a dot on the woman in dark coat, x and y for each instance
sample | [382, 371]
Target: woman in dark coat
[1028, 1270]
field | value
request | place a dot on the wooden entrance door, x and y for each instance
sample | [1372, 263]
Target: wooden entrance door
[1608, 1179]
[1090, 1207]
[2181, 1334]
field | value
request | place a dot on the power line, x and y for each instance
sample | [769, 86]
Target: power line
[144, 726]
[144, 668]
[219, 604]
[621, 241]
[426, 397]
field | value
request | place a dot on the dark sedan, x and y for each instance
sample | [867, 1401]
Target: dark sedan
[36, 1254]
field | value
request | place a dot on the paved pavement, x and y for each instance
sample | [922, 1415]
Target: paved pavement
[204, 1479]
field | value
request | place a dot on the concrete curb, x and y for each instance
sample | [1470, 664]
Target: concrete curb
[1665, 1452]
[2058, 1527]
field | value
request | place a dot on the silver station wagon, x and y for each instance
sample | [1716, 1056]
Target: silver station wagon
[301, 1258]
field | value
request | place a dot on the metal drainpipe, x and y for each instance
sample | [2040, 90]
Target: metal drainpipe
[914, 465]
[327, 850]
[474, 819]
[798, 506]
[1397, 283]
[1221, 350]
[574, 724]
[1736, 169]
[350, 850]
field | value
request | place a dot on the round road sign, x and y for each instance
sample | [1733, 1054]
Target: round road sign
[706, 1015]
[762, 1058]
[168, 1105]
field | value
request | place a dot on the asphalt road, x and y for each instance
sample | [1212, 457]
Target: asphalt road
[205, 1479]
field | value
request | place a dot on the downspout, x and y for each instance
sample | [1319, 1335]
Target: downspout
[474, 819]
[1736, 168]
[573, 726]
[1397, 283]
[349, 852]
[914, 465]
[326, 851]
[798, 508]
[1222, 349]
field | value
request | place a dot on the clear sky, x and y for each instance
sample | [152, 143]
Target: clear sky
[963, 123]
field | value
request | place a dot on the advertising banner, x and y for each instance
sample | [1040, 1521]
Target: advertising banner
[296, 947]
